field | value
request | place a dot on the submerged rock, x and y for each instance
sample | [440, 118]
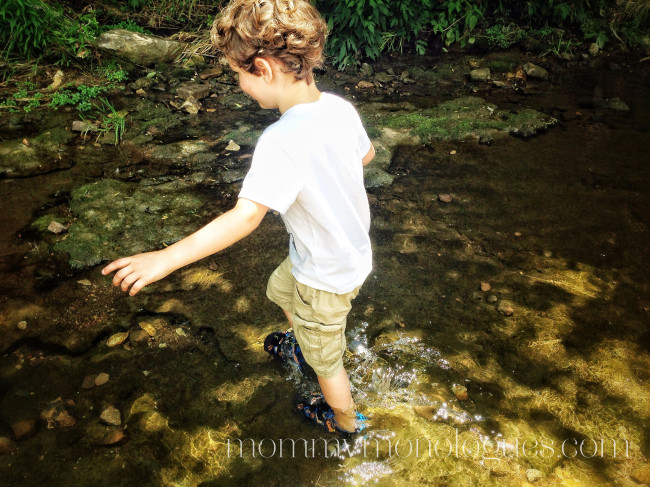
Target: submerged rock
[534, 71]
[139, 48]
[482, 74]
[505, 308]
[111, 416]
[23, 429]
[42, 155]
[7, 445]
[57, 415]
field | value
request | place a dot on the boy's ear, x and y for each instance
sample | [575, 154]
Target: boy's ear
[263, 68]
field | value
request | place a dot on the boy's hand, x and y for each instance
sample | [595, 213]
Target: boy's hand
[138, 270]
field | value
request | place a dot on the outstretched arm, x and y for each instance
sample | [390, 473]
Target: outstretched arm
[139, 270]
[369, 156]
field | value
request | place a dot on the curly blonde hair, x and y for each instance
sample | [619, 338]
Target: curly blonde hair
[289, 31]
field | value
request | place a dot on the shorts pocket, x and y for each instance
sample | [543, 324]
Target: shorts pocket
[321, 345]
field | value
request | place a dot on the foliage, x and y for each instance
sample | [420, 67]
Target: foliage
[504, 35]
[111, 120]
[23, 27]
[81, 96]
[21, 98]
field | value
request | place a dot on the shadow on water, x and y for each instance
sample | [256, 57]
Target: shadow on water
[555, 227]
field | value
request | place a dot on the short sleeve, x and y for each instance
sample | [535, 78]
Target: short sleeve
[362, 135]
[272, 180]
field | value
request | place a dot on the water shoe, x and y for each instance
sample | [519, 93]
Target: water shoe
[316, 410]
[283, 346]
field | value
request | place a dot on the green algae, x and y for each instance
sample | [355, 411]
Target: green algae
[115, 218]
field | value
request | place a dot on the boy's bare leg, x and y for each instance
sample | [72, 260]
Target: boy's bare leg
[337, 394]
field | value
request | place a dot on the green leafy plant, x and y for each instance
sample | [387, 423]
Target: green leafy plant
[24, 27]
[81, 97]
[504, 35]
[113, 72]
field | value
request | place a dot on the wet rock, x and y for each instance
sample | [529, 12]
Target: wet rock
[117, 339]
[101, 379]
[42, 155]
[150, 328]
[641, 474]
[532, 475]
[142, 404]
[21, 325]
[210, 73]
[593, 49]
[139, 48]
[56, 227]
[362, 85]
[460, 392]
[57, 415]
[485, 286]
[197, 91]
[89, 381]
[445, 198]
[85, 282]
[7, 445]
[111, 416]
[374, 177]
[505, 308]
[500, 84]
[366, 70]
[138, 336]
[481, 74]
[614, 104]
[383, 78]
[115, 437]
[476, 295]
[130, 216]
[534, 71]
[83, 126]
[425, 412]
[492, 299]
[153, 422]
[457, 119]
[232, 146]
[23, 429]
[191, 105]
[548, 254]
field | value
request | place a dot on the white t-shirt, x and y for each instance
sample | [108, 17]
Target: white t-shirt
[307, 166]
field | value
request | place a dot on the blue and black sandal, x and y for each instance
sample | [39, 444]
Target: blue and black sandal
[316, 410]
[284, 347]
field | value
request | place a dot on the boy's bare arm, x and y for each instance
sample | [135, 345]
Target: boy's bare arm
[369, 156]
[139, 270]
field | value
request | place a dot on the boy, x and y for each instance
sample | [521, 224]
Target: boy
[308, 166]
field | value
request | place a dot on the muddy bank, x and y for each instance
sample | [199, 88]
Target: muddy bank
[508, 302]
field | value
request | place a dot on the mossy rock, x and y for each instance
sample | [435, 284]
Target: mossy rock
[115, 218]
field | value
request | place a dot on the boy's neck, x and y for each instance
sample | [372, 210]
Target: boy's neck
[296, 92]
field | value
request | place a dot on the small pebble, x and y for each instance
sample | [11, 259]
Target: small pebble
[232, 146]
[485, 286]
[548, 253]
[492, 298]
[445, 198]
[517, 234]
[162, 345]
[56, 227]
[101, 379]
[460, 391]
[111, 415]
[117, 339]
[180, 331]
[7, 445]
[89, 381]
[148, 327]
[22, 325]
[452, 152]
[505, 308]
[85, 282]
[114, 437]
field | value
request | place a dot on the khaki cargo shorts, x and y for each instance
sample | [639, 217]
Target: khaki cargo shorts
[318, 318]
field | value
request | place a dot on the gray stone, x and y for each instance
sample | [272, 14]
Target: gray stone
[195, 90]
[139, 48]
[375, 177]
[191, 106]
[383, 77]
[83, 126]
[366, 70]
[535, 71]
[481, 74]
